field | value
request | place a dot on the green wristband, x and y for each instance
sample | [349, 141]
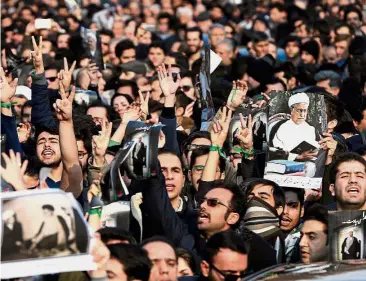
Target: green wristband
[246, 153]
[219, 149]
[113, 143]
[97, 210]
[7, 104]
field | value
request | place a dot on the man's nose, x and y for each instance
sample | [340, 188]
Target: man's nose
[163, 268]
[303, 242]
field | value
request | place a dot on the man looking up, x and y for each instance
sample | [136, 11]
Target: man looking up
[348, 182]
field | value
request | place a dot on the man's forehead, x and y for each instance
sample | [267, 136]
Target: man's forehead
[201, 141]
[97, 111]
[263, 187]
[351, 166]
[47, 135]
[169, 160]
[313, 226]
[159, 250]
[220, 193]
[291, 196]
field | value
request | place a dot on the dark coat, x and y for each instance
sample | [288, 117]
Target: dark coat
[353, 250]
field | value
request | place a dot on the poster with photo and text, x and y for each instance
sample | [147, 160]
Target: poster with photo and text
[43, 232]
[296, 122]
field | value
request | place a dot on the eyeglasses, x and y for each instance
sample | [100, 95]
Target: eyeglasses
[82, 154]
[228, 276]
[186, 88]
[52, 79]
[213, 202]
[192, 147]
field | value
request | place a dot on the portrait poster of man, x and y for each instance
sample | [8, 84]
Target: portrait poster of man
[43, 232]
[347, 235]
[295, 126]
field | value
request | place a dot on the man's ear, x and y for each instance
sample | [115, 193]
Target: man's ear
[302, 210]
[233, 218]
[355, 124]
[201, 44]
[332, 124]
[205, 268]
[331, 189]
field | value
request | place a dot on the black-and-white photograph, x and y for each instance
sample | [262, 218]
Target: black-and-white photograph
[295, 126]
[347, 235]
[41, 225]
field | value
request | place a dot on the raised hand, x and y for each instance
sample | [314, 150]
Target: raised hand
[167, 84]
[36, 55]
[63, 106]
[144, 104]
[101, 256]
[14, 170]
[133, 113]
[100, 142]
[220, 128]
[245, 133]
[7, 89]
[189, 110]
[65, 75]
[238, 94]
[327, 142]
[93, 73]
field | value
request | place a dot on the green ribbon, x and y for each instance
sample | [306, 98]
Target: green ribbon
[113, 143]
[219, 149]
[247, 153]
[8, 104]
[96, 210]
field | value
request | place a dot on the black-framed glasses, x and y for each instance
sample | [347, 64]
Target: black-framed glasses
[82, 154]
[213, 202]
[228, 276]
[192, 147]
[52, 79]
[186, 88]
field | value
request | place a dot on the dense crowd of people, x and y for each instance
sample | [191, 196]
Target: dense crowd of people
[207, 213]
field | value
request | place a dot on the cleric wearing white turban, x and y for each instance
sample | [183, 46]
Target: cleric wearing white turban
[296, 130]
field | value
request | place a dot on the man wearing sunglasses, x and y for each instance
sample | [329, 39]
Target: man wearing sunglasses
[225, 258]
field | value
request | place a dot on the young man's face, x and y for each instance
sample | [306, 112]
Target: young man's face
[20, 101]
[115, 270]
[48, 149]
[264, 192]
[82, 154]
[99, 115]
[292, 50]
[341, 49]
[218, 218]
[292, 212]
[261, 48]
[350, 186]
[165, 267]
[307, 58]
[106, 40]
[361, 126]
[156, 56]
[193, 41]
[52, 80]
[128, 55]
[173, 173]
[197, 170]
[228, 262]
[313, 242]
[63, 41]
[217, 35]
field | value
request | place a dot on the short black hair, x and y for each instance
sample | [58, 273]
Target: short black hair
[205, 151]
[123, 46]
[157, 44]
[317, 212]
[115, 233]
[135, 260]
[278, 193]
[343, 158]
[106, 32]
[128, 83]
[288, 68]
[224, 240]
[276, 80]
[173, 153]
[299, 192]
[100, 104]
[194, 29]
[48, 207]
[84, 129]
[188, 257]
[259, 37]
[352, 10]
[161, 239]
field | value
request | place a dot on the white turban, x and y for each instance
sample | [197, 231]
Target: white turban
[298, 98]
[8, 214]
